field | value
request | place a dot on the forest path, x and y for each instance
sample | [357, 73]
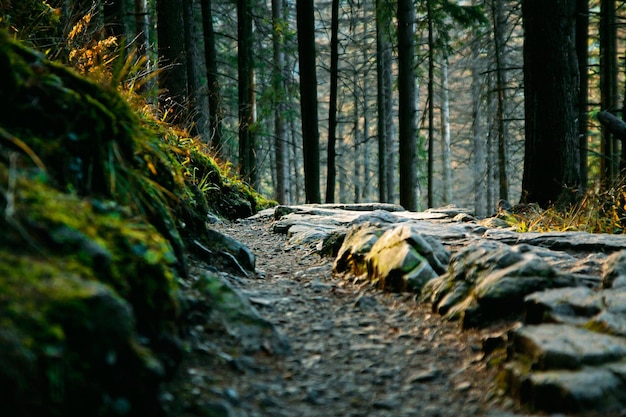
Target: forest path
[356, 351]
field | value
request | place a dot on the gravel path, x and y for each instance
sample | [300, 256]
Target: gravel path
[355, 351]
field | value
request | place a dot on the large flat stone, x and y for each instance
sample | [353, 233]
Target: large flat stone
[556, 346]
[590, 389]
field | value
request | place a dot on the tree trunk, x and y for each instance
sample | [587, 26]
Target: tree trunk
[407, 105]
[478, 136]
[331, 171]
[247, 168]
[501, 84]
[445, 134]
[609, 163]
[431, 105]
[552, 164]
[213, 85]
[280, 140]
[613, 124]
[384, 102]
[582, 52]
[308, 99]
[193, 79]
[172, 63]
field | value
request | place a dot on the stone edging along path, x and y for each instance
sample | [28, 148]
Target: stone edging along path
[563, 293]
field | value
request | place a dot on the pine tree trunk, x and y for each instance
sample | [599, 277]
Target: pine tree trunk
[172, 62]
[213, 85]
[431, 106]
[478, 136]
[247, 168]
[582, 52]
[551, 164]
[445, 134]
[501, 85]
[331, 171]
[407, 105]
[308, 99]
[280, 141]
[609, 163]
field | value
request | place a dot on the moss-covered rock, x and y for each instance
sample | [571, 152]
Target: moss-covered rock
[95, 205]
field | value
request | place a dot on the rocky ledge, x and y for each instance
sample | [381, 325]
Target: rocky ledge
[562, 296]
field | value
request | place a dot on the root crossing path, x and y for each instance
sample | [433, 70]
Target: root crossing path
[355, 351]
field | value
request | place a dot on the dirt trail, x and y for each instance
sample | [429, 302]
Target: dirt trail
[355, 351]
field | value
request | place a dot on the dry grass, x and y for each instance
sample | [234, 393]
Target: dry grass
[599, 211]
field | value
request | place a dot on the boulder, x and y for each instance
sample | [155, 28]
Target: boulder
[488, 280]
[402, 259]
[568, 369]
[356, 246]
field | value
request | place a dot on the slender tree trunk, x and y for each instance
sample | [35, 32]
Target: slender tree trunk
[478, 139]
[213, 85]
[295, 166]
[247, 168]
[384, 102]
[431, 105]
[551, 163]
[582, 52]
[407, 105]
[172, 62]
[355, 135]
[308, 99]
[501, 82]
[280, 144]
[332, 109]
[608, 87]
[193, 81]
[445, 133]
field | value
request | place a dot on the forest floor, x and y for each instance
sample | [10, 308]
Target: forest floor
[356, 351]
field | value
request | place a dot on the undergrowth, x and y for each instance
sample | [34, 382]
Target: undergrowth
[599, 211]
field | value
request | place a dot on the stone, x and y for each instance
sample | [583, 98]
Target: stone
[590, 389]
[220, 242]
[574, 305]
[356, 245]
[487, 280]
[577, 241]
[232, 311]
[557, 346]
[614, 271]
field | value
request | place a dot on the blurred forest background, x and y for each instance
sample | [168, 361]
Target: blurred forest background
[277, 104]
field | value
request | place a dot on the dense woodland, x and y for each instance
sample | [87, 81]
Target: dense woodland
[422, 103]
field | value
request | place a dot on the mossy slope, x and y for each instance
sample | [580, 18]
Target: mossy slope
[93, 199]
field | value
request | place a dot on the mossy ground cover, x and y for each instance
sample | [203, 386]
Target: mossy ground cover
[96, 201]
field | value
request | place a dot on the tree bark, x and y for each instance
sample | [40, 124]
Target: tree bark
[478, 139]
[552, 164]
[247, 163]
[280, 140]
[384, 102]
[501, 83]
[613, 124]
[331, 170]
[407, 105]
[582, 52]
[431, 105]
[609, 163]
[308, 99]
[445, 134]
[172, 63]
[213, 85]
